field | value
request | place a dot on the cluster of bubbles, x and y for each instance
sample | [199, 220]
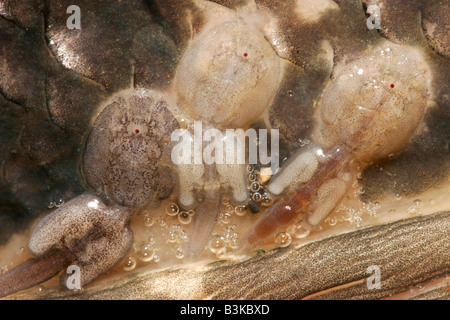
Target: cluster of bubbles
[170, 222]
[144, 252]
[257, 186]
[184, 217]
[220, 244]
[297, 231]
[416, 207]
[229, 210]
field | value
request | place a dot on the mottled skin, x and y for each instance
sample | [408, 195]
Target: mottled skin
[125, 157]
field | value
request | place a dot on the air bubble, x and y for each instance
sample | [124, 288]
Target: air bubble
[418, 203]
[225, 201]
[179, 253]
[225, 218]
[240, 210]
[250, 168]
[376, 205]
[398, 196]
[290, 93]
[252, 177]
[146, 253]
[148, 221]
[162, 223]
[184, 217]
[217, 245]
[156, 258]
[283, 239]
[191, 213]
[130, 264]
[229, 209]
[172, 209]
[255, 187]
[233, 243]
[332, 222]
[59, 203]
[256, 197]
[299, 231]
[172, 237]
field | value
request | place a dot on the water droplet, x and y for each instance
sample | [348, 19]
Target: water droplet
[184, 217]
[418, 203]
[148, 221]
[233, 244]
[217, 245]
[179, 253]
[59, 202]
[240, 210]
[255, 186]
[229, 209]
[256, 197]
[299, 231]
[130, 264]
[184, 237]
[283, 239]
[332, 222]
[146, 252]
[225, 218]
[172, 237]
[172, 209]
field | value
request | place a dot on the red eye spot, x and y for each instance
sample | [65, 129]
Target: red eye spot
[245, 54]
[392, 85]
[137, 130]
